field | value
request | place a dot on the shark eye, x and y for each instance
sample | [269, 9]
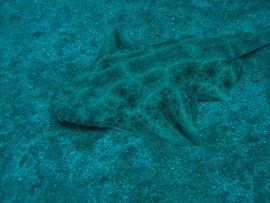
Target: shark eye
[227, 84]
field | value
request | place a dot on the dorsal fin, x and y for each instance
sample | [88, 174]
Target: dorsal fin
[118, 41]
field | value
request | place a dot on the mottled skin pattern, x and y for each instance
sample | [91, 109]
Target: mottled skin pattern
[154, 90]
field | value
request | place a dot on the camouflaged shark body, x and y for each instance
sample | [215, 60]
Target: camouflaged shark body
[154, 90]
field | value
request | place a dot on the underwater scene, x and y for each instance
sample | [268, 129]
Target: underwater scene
[135, 101]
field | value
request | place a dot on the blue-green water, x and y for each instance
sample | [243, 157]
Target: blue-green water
[45, 44]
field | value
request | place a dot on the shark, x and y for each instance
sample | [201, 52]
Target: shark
[155, 90]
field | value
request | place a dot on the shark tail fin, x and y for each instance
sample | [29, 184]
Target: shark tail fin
[250, 43]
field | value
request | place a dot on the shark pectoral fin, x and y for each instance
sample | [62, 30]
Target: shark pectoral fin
[172, 118]
[182, 115]
[212, 93]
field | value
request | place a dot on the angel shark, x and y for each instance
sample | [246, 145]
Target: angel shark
[155, 89]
